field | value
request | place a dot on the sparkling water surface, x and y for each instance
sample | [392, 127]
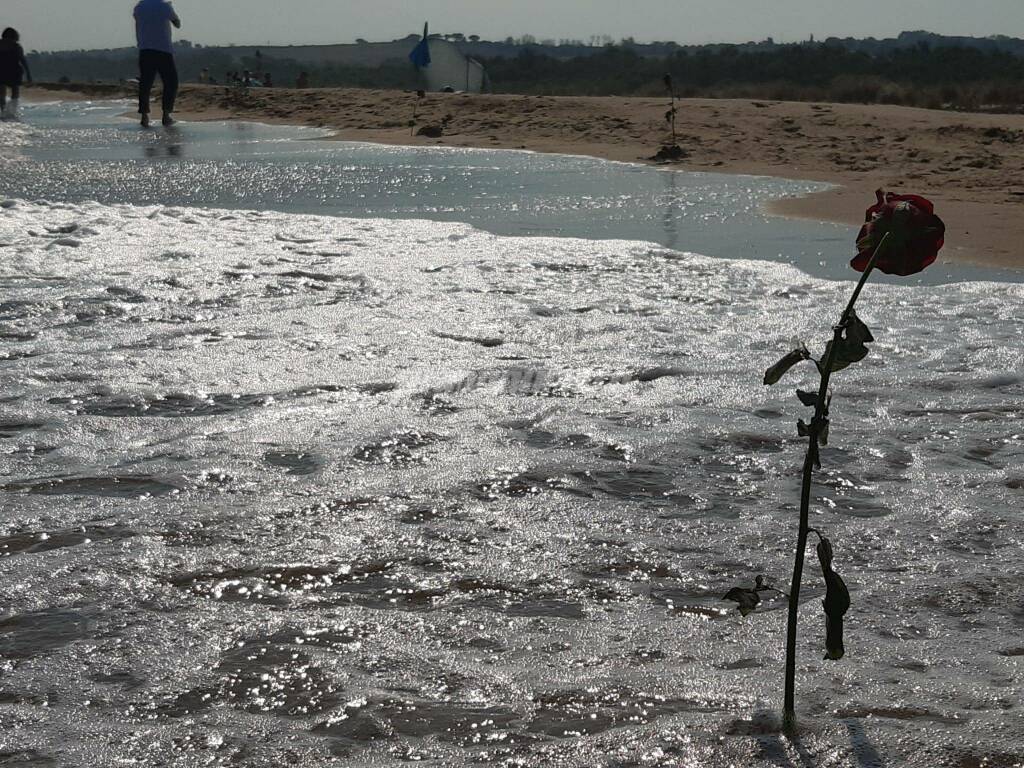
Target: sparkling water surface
[281, 488]
[85, 151]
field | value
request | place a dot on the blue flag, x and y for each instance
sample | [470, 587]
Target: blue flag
[420, 55]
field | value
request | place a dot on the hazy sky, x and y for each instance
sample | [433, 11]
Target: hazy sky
[63, 24]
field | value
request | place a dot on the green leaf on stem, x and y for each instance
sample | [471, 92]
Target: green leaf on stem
[777, 371]
[852, 345]
[810, 399]
[836, 603]
[804, 430]
[856, 330]
[847, 353]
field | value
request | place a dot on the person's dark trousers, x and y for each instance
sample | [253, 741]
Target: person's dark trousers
[151, 64]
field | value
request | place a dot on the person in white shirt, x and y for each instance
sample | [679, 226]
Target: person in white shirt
[153, 20]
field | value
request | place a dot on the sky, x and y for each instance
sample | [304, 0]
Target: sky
[70, 24]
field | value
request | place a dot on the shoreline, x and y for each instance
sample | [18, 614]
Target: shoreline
[968, 164]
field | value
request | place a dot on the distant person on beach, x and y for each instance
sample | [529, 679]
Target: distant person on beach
[303, 80]
[13, 67]
[153, 20]
[268, 81]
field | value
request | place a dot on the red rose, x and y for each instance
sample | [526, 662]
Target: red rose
[916, 234]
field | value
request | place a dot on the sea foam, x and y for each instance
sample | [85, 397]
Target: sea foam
[385, 487]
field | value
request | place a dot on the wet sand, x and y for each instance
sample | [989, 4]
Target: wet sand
[968, 164]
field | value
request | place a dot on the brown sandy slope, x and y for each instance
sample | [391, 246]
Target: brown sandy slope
[971, 165]
[74, 92]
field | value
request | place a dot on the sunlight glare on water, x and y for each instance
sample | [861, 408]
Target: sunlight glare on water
[281, 488]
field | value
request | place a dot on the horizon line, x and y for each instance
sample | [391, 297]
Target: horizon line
[546, 42]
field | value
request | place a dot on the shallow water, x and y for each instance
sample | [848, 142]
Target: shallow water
[287, 489]
[78, 152]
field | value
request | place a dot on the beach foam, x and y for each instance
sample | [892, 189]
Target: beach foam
[278, 484]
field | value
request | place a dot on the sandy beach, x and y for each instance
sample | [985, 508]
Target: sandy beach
[970, 165]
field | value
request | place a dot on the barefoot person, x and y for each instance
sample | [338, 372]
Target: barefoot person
[12, 67]
[153, 20]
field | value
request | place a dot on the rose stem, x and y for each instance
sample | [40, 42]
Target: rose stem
[789, 707]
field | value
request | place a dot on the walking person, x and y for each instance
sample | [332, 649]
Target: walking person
[12, 67]
[153, 20]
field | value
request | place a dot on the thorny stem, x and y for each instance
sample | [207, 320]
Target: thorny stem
[817, 424]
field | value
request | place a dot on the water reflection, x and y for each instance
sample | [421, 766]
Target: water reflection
[171, 143]
[92, 152]
[670, 210]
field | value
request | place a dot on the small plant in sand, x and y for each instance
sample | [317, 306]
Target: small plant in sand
[672, 150]
[901, 236]
[670, 116]
[420, 96]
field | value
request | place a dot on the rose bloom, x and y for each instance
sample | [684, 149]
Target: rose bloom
[917, 236]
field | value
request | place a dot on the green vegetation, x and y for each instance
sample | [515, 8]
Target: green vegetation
[960, 73]
[945, 77]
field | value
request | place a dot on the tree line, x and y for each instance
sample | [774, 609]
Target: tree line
[935, 77]
[947, 76]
